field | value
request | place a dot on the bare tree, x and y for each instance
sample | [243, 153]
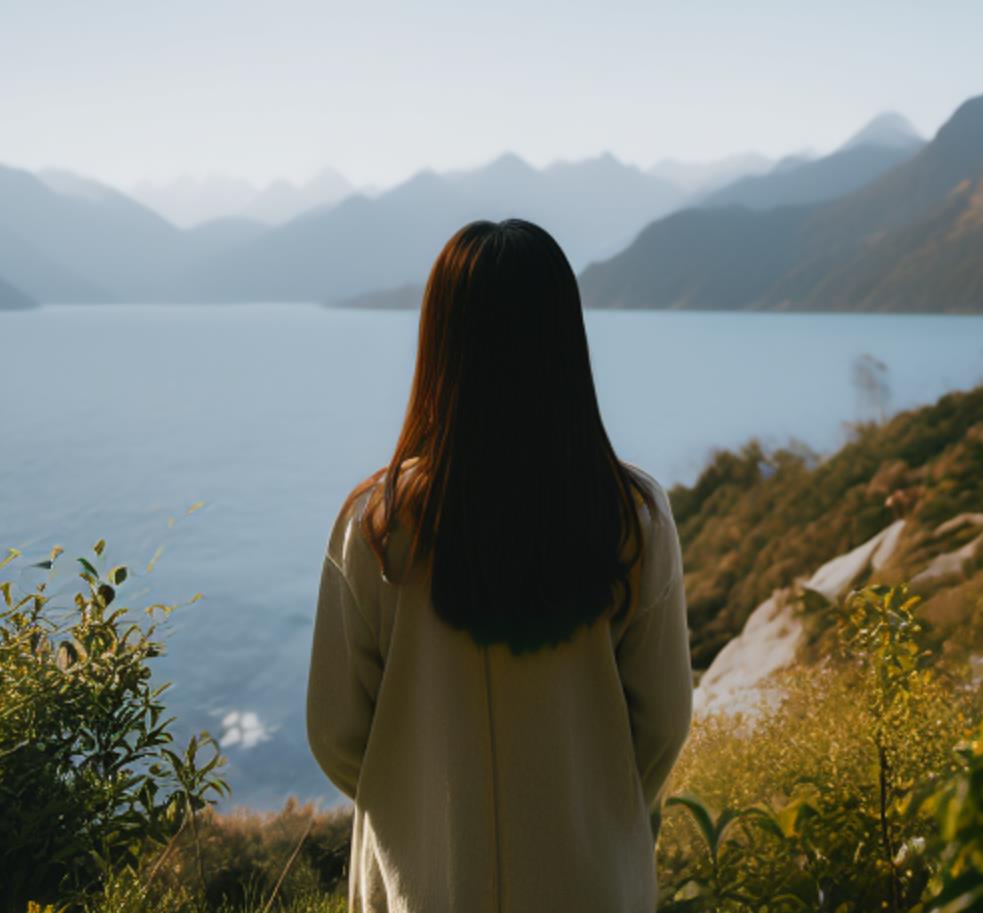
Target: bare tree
[872, 387]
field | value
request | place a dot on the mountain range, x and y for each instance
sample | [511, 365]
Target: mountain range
[66, 238]
[593, 208]
[911, 239]
[85, 241]
[190, 201]
[885, 142]
[885, 222]
[704, 177]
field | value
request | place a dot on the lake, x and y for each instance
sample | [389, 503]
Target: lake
[117, 419]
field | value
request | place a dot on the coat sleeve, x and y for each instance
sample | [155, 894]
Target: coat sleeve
[654, 664]
[345, 672]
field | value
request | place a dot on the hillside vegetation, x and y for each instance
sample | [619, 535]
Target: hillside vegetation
[754, 520]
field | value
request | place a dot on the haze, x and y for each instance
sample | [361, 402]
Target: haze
[377, 90]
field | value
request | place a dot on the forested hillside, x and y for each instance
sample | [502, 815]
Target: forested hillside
[754, 520]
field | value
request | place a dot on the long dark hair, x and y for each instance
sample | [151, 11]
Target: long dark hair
[516, 494]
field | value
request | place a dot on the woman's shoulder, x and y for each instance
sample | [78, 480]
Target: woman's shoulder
[662, 554]
[656, 492]
[348, 543]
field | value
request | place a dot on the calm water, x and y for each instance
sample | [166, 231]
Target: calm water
[115, 420]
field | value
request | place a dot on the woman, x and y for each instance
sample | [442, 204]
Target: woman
[500, 673]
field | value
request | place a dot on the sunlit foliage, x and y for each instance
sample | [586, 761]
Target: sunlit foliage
[88, 774]
[815, 802]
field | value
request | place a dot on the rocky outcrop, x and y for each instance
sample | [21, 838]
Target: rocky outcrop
[952, 566]
[833, 579]
[770, 639]
[768, 642]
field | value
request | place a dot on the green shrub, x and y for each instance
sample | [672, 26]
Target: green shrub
[87, 774]
[811, 805]
[958, 805]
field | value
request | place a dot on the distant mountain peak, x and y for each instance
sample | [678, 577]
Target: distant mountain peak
[889, 129]
[424, 180]
[189, 200]
[707, 176]
[509, 163]
[608, 160]
[965, 127]
[604, 163]
[792, 161]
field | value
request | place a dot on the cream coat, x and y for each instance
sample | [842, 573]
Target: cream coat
[489, 783]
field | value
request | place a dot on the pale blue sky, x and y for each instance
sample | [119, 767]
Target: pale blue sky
[126, 89]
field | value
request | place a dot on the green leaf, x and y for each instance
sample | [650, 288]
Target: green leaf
[765, 817]
[724, 820]
[701, 815]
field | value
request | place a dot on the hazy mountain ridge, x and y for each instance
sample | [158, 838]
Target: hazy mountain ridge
[880, 247]
[192, 201]
[888, 129]
[105, 239]
[704, 177]
[67, 238]
[892, 225]
[795, 180]
[813, 181]
[361, 244]
[37, 275]
[218, 234]
[853, 245]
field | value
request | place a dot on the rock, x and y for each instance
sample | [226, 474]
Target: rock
[768, 642]
[772, 634]
[835, 577]
[888, 546]
[943, 529]
[948, 564]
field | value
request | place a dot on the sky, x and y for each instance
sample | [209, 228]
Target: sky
[123, 90]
